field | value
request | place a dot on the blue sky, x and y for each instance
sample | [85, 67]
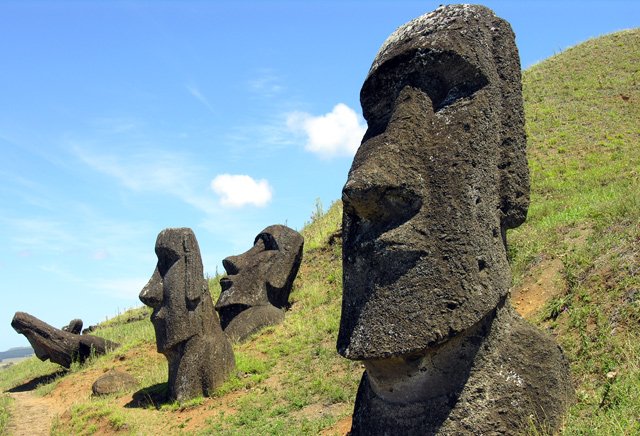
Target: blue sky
[119, 119]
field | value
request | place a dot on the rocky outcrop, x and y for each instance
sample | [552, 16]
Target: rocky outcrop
[255, 291]
[57, 345]
[187, 328]
[440, 176]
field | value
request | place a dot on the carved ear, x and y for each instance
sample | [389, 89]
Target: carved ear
[513, 169]
[193, 273]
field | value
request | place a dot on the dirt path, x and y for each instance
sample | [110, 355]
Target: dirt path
[31, 415]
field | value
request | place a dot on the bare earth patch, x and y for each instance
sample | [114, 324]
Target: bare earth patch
[540, 286]
[29, 415]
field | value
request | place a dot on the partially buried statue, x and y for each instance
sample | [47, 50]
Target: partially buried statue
[439, 178]
[59, 346]
[187, 328]
[256, 290]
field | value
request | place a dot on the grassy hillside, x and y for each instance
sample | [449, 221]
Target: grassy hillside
[580, 243]
[583, 122]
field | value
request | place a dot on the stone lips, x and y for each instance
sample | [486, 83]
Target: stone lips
[188, 331]
[516, 378]
[256, 290]
[424, 235]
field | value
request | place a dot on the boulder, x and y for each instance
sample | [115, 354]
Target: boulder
[112, 382]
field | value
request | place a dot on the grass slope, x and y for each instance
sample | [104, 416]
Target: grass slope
[583, 113]
[582, 120]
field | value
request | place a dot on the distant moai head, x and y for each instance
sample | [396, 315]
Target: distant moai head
[177, 290]
[261, 276]
[441, 174]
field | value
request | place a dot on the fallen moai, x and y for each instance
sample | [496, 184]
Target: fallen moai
[187, 328]
[59, 346]
[440, 176]
[256, 290]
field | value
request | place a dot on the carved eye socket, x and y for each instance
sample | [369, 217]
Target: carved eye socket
[166, 259]
[445, 77]
[268, 240]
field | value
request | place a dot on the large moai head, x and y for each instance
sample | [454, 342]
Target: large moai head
[258, 283]
[178, 291]
[441, 174]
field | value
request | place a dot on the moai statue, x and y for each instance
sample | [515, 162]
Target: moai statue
[187, 328]
[256, 290]
[74, 326]
[440, 176]
[59, 346]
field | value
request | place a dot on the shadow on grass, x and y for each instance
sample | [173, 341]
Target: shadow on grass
[152, 396]
[41, 380]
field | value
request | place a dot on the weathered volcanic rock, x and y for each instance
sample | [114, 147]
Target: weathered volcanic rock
[187, 328]
[256, 290]
[440, 176]
[57, 345]
[74, 326]
[113, 382]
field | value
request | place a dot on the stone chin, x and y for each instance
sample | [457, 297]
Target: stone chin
[250, 320]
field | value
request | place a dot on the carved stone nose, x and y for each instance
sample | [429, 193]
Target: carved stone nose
[152, 293]
[230, 265]
[362, 198]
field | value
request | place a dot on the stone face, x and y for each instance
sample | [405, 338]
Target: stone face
[256, 290]
[59, 346]
[440, 176]
[113, 382]
[74, 326]
[187, 328]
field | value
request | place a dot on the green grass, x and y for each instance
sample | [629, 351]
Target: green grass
[5, 401]
[584, 155]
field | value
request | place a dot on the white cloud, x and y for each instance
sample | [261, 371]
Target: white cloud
[241, 190]
[337, 133]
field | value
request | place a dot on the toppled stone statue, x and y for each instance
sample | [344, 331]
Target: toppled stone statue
[74, 326]
[59, 346]
[440, 176]
[256, 290]
[187, 328]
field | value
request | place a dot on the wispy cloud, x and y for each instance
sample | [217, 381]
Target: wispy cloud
[266, 83]
[38, 234]
[337, 133]
[150, 171]
[241, 190]
[115, 125]
[124, 288]
[195, 91]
